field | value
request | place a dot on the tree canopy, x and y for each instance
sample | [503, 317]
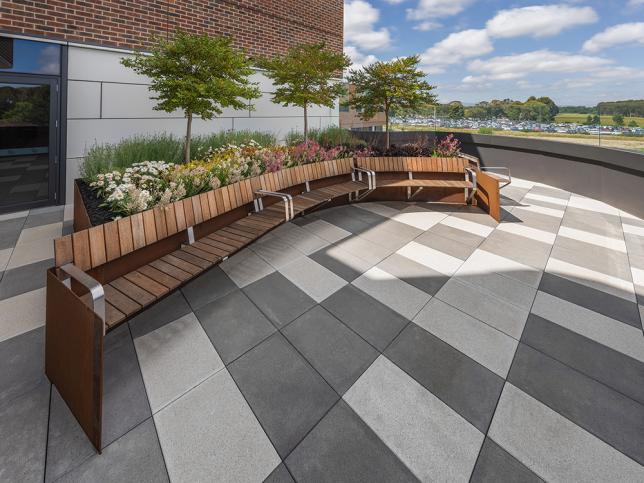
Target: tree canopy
[306, 75]
[386, 86]
[197, 74]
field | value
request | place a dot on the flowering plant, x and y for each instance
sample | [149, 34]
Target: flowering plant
[311, 152]
[446, 147]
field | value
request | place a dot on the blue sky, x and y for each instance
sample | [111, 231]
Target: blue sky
[575, 51]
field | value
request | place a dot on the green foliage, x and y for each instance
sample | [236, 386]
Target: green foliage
[541, 109]
[629, 108]
[456, 110]
[486, 130]
[102, 158]
[197, 74]
[618, 119]
[304, 76]
[383, 86]
[633, 124]
[329, 137]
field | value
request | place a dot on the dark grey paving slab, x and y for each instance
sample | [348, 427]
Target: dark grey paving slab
[373, 321]
[208, 287]
[334, 350]
[609, 415]
[125, 406]
[617, 370]
[451, 233]
[134, 457]
[10, 232]
[348, 266]
[518, 248]
[161, 313]
[38, 218]
[68, 227]
[23, 426]
[234, 325]
[387, 237]
[338, 218]
[401, 229]
[466, 386]
[446, 245]
[279, 299]
[24, 279]
[586, 255]
[597, 300]
[343, 448]
[22, 363]
[495, 465]
[420, 276]
[280, 475]
[284, 391]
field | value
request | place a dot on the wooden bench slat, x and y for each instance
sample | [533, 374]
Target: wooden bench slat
[182, 264]
[146, 283]
[191, 258]
[126, 241]
[217, 251]
[170, 219]
[160, 223]
[242, 225]
[159, 276]
[63, 250]
[112, 315]
[227, 240]
[82, 257]
[121, 301]
[97, 245]
[170, 269]
[133, 291]
[230, 234]
[138, 231]
[149, 226]
[237, 231]
[226, 248]
[201, 254]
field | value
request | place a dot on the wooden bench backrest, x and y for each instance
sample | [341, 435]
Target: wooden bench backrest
[406, 164]
[101, 244]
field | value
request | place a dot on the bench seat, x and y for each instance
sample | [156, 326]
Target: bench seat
[423, 183]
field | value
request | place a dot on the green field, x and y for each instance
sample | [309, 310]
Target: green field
[606, 120]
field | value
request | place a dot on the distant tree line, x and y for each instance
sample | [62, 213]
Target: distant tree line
[630, 108]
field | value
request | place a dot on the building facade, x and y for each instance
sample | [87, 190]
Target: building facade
[63, 89]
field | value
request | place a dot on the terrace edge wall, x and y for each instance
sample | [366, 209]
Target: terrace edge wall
[613, 176]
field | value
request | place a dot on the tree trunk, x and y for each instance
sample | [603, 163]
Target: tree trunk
[186, 152]
[387, 128]
[306, 125]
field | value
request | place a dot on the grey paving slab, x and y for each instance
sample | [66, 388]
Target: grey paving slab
[485, 344]
[276, 251]
[234, 325]
[459, 236]
[498, 285]
[26, 278]
[38, 218]
[495, 465]
[430, 438]
[10, 232]
[325, 230]
[634, 244]
[161, 313]
[593, 257]
[597, 300]
[609, 415]
[23, 425]
[375, 322]
[466, 386]
[366, 250]
[210, 434]
[278, 299]
[174, 359]
[343, 448]
[415, 274]
[610, 367]
[335, 351]
[286, 394]
[478, 303]
[446, 245]
[134, 457]
[299, 238]
[599, 223]
[553, 447]
[518, 248]
[208, 287]
[338, 218]
[550, 191]
[387, 238]
[536, 220]
[341, 262]
[246, 267]
[22, 362]
[312, 278]
[280, 475]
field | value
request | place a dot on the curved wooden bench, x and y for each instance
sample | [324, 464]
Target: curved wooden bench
[105, 275]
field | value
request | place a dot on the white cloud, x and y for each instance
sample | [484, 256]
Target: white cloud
[397, 2]
[360, 20]
[455, 48]
[539, 20]
[429, 9]
[635, 3]
[427, 25]
[539, 61]
[359, 59]
[625, 33]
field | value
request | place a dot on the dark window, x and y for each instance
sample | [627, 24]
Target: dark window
[29, 57]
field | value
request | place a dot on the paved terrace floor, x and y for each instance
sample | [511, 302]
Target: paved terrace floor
[374, 342]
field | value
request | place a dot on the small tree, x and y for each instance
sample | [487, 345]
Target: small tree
[304, 76]
[197, 74]
[618, 119]
[383, 86]
[633, 123]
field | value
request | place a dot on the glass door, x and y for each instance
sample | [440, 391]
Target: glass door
[28, 141]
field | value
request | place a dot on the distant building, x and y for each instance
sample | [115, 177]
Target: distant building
[350, 119]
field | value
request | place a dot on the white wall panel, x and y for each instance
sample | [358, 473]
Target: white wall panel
[100, 65]
[264, 107]
[83, 99]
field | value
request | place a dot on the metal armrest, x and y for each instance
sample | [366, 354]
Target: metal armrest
[95, 289]
[371, 176]
[288, 202]
[502, 169]
[472, 174]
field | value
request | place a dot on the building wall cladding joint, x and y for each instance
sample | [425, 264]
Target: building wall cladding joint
[262, 27]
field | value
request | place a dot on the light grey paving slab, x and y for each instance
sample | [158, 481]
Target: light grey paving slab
[420, 276]
[336, 352]
[474, 227]
[434, 259]
[459, 236]
[312, 278]
[538, 220]
[31, 252]
[497, 465]
[134, 457]
[276, 251]
[343, 448]
[210, 434]
[553, 447]
[429, 437]
[604, 260]
[23, 425]
[419, 217]
[5, 254]
[246, 267]
[446, 245]
[327, 231]
[39, 217]
[35, 232]
[483, 343]
[341, 262]
[22, 313]
[478, 303]
[483, 262]
[500, 286]
[518, 248]
[388, 238]
[378, 209]
[300, 238]
[174, 359]
[370, 252]
[602, 224]
[609, 332]
[405, 299]
[159, 314]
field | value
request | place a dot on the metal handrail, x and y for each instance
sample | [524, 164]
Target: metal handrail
[92, 285]
[371, 175]
[288, 202]
[499, 168]
[472, 174]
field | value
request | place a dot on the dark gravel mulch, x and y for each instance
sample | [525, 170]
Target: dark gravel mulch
[97, 214]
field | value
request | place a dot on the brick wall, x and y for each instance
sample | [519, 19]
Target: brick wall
[259, 26]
